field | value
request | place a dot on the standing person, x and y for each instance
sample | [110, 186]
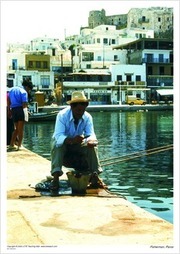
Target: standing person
[10, 124]
[17, 103]
[74, 136]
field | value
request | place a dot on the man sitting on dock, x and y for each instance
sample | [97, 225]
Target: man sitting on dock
[74, 143]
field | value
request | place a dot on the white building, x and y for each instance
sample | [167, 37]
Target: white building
[95, 46]
[44, 44]
[131, 80]
[39, 79]
[93, 52]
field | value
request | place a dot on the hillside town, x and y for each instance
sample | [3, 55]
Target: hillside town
[113, 59]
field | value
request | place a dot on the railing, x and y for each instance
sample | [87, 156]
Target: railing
[155, 60]
[10, 68]
[87, 84]
[131, 83]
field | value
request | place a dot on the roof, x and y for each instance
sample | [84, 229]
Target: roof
[127, 45]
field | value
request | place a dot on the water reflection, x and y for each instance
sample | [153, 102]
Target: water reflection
[146, 181]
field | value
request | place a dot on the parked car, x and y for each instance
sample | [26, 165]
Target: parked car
[133, 100]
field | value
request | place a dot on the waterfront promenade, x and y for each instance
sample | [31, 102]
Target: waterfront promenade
[100, 222]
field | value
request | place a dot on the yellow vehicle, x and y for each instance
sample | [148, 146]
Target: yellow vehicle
[133, 100]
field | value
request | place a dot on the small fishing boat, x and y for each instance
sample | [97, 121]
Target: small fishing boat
[43, 116]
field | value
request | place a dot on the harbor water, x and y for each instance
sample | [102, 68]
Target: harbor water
[130, 151]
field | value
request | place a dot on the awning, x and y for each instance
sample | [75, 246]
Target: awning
[138, 89]
[165, 91]
[92, 72]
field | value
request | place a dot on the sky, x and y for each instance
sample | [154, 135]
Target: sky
[22, 21]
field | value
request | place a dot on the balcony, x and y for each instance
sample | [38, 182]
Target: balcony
[131, 83]
[10, 68]
[155, 60]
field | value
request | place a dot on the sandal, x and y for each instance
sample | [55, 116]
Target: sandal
[96, 183]
[12, 148]
[54, 186]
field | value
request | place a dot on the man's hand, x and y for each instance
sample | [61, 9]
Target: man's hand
[77, 140]
[72, 141]
[92, 143]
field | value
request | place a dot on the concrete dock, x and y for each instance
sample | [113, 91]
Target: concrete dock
[87, 224]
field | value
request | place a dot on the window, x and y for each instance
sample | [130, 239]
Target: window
[45, 81]
[113, 41]
[159, 19]
[98, 40]
[119, 77]
[149, 58]
[161, 58]
[14, 64]
[105, 41]
[10, 83]
[115, 58]
[10, 75]
[172, 71]
[161, 70]
[87, 56]
[30, 64]
[38, 64]
[138, 78]
[53, 52]
[143, 18]
[149, 70]
[45, 65]
[99, 58]
[128, 77]
[171, 58]
[26, 78]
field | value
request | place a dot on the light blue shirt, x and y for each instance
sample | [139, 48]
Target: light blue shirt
[65, 127]
[18, 96]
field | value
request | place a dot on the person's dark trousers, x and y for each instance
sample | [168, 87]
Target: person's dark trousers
[10, 129]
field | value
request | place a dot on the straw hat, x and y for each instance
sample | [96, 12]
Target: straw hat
[78, 96]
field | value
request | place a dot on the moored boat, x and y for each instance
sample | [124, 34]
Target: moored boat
[43, 116]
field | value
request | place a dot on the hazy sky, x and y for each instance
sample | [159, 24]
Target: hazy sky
[22, 21]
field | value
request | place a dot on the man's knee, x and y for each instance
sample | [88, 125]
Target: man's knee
[75, 160]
